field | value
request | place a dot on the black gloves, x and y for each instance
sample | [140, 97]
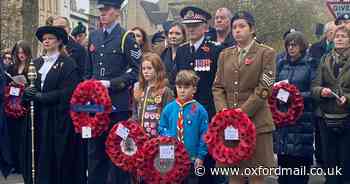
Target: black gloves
[31, 93]
[117, 84]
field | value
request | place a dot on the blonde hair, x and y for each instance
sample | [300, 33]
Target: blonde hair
[187, 78]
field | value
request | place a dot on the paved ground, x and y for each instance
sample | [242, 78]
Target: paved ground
[16, 179]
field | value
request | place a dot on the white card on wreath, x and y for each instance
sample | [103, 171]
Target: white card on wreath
[283, 95]
[122, 131]
[14, 91]
[86, 133]
[166, 152]
[231, 134]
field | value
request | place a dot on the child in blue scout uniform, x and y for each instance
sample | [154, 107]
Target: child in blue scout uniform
[187, 120]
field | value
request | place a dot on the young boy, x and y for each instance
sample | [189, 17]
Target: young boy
[186, 120]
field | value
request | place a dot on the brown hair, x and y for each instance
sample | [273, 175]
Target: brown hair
[182, 28]
[27, 51]
[187, 78]
[297, 37]
[160, 76]
[146, 46]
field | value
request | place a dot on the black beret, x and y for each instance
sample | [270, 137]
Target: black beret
[244, 15]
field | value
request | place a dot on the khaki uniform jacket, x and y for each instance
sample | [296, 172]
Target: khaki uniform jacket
[246, 85]
[340, 85]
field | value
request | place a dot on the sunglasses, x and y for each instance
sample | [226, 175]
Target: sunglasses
[8, 58]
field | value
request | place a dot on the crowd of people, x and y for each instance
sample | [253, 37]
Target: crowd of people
[173, 84]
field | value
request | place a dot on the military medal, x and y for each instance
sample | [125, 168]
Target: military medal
[200, 67]
[195, 65]
[208, 65]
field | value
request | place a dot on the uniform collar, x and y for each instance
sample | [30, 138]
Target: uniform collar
[247, 47]
[111, 27]
[51, 58]
[198, 43]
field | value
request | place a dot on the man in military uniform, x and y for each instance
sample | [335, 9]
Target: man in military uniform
[74, 49]
[200, 55]
[114, 59]
[244, 81]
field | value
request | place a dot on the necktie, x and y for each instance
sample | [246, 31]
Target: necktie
[193, 50]
[105, 33]
[180, 128]
[241, 55]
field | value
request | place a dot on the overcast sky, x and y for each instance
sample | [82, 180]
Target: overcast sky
[84, 4]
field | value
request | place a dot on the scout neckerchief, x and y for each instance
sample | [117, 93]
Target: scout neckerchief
[180, 124]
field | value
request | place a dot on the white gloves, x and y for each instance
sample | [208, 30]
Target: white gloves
[106, 83]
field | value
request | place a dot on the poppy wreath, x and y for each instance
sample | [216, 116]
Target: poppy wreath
[13, 104]
[126, 153]
[176, 174]
[295, 104]
[91, 91]
[224, 151]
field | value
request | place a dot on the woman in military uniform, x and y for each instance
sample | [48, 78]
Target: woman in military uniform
[243, 80]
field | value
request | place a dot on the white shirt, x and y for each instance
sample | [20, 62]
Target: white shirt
[198, 43]
[49, 61]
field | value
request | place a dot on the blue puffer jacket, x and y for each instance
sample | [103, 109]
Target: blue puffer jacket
[297, 139]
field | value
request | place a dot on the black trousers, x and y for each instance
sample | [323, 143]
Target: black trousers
[318, 143]
[286, 161]
[336, 152]
[101, 170]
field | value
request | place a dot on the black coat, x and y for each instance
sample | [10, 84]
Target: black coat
[297, 140]
[78, 53]
[5, 151]
[57, 155]
[16, 129]
[187, 60]
[170, 66]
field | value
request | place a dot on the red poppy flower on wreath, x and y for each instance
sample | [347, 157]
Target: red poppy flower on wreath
[295, 104]
[125, 151]
[87, 93]
[13, 101]
[155, 170]
[231, 151]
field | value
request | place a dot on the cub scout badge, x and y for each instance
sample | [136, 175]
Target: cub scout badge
[158, 99]
[92, 48]
[202, 65]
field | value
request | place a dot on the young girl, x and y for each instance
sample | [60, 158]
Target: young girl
[151, 93]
